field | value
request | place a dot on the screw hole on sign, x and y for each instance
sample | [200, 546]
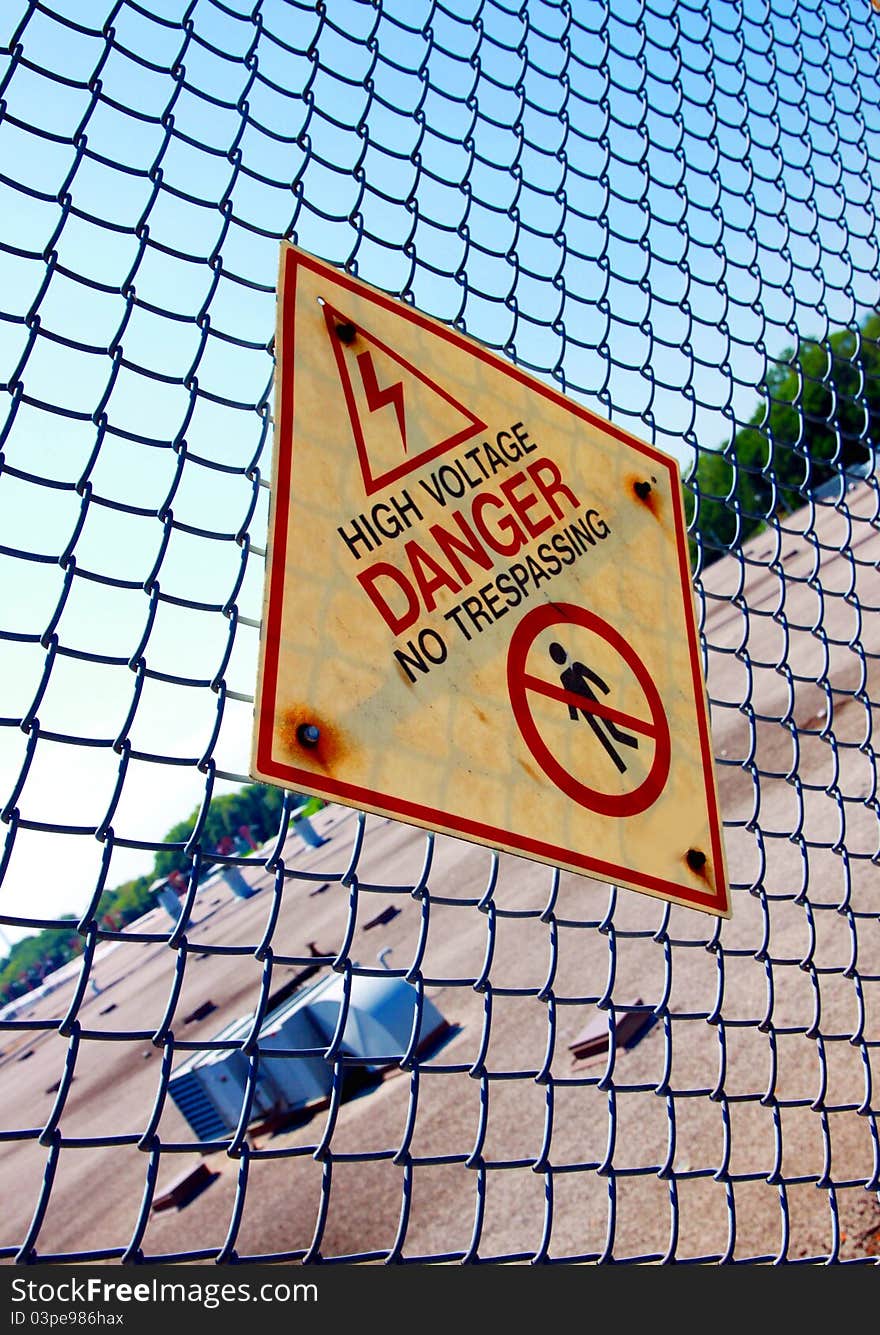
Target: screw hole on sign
[307, 734]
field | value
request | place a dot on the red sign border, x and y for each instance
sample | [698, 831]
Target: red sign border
[293, 259]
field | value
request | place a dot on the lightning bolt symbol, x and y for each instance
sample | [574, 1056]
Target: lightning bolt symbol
[380, 398]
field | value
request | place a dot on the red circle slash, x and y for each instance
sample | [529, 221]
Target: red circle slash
[656, 726]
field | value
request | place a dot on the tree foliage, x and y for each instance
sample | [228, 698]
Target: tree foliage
[256, 806]
[31, 959]
[820, 416]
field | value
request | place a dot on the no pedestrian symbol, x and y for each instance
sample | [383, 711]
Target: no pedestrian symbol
[478, 613]
[575, 691]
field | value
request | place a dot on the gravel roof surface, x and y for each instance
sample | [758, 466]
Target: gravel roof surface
[763, 1121]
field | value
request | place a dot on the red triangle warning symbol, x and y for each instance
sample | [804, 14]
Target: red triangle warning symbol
[400, 417]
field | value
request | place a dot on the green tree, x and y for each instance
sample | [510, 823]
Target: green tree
[257, 806]
[125, 903]
[34, 957]
[820, 415]
[29, 961]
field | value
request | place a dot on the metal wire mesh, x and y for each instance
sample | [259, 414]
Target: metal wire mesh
[655, 207]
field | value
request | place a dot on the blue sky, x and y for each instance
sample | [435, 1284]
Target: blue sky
[643, 206]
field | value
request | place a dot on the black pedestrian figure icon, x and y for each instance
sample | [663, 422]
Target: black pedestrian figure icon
[574, 680]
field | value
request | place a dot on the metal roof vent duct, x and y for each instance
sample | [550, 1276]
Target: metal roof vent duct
[209, 1088]
[381, 1014]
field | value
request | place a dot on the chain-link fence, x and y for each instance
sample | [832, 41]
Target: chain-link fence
[669, 211]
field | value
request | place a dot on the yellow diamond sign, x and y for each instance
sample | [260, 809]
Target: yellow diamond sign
[478, 613]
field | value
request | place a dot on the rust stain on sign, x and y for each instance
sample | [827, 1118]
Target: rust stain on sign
[297, 727]
[644, 492]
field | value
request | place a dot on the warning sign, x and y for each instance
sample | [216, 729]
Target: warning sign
[478, 612]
